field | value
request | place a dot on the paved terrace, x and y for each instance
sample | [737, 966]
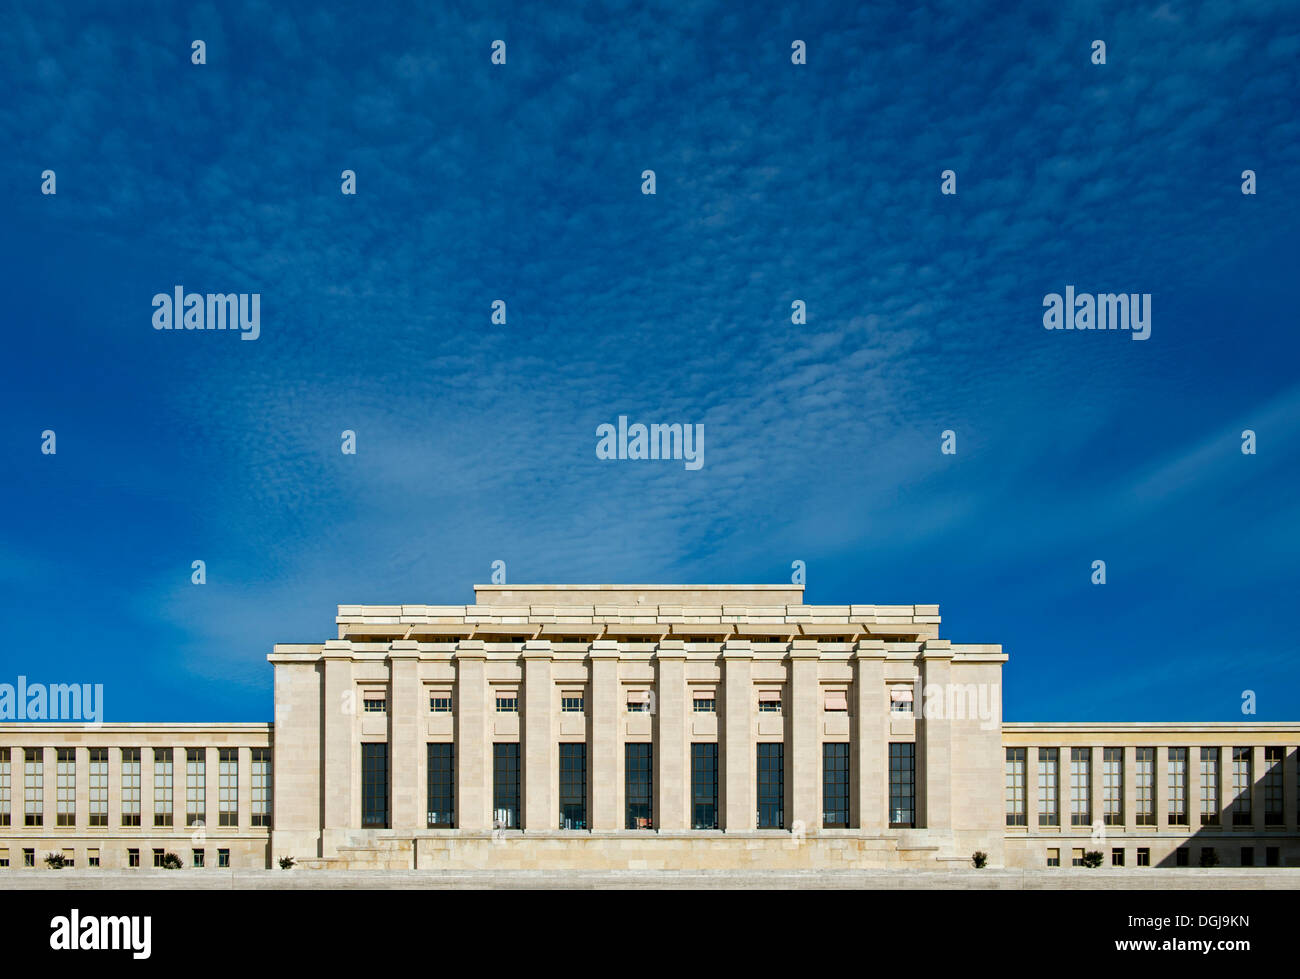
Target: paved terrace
[1256, 879]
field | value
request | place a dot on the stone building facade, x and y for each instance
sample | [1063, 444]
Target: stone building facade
[645, 727]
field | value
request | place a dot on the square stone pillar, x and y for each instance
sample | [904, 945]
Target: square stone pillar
[212, 793]
[49, 789]
[146, 790]
[339, 707]
[605, 747]
[1289, 789]
[869, 746]
[803, 762]
[408, 712]
[1161, 789]
[1097, 801]
[245, 803]
[473, 745]
[1130, 790]
[934, 741]
[739, 756]
[1193, 789]
[1258, 766]
[82, 789]
[539, 751]
[1031, 788]
[114, 792]
[671, 811]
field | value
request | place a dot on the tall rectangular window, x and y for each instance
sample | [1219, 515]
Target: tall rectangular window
[1144, 784]
[1273, 806]
[98, 786]
[638, 784]
[771, 786]
[902, 784]
[1049, 810]
[835, 785]
[6, 788]
[162, 786]
[65, 787]
[1242, 779]
[505, 785]
[130, 786]
[33, 786]
[260, 803]
[1015, 787]
[196, 785]
[1209, 786]
[1112, 785]
[573, 785]
[374, 784]
[227, 786]
[1177, 786]
[442, 786]
[704, 786]
[1080, 786]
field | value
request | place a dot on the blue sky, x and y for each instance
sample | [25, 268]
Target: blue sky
[775, 182]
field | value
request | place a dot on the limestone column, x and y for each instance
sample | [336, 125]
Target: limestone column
[869, 761]
[49, 788]
[671, 771]
[1130, 790]
[1193, 789]
[1031, 789]
[603, 750]
[146, 789]
[245, 783]
[1225, 786]
[212, 794]
[114, 795]
[406, 753]
[473, 746]
[540, 808]
[934, 742]
[338, 714]
[1289, 793]
[82, 789]
[803, 765]
[1258, 766]
[739, 795]
[1160, 790]
[1097, 800]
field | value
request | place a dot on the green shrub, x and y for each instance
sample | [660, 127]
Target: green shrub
[1092, 858]
[980, 859]
[55, 861]
[286, 863]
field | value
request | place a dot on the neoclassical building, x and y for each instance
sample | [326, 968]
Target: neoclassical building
[645, 727]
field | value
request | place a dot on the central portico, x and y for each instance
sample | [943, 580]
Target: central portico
[680, 725]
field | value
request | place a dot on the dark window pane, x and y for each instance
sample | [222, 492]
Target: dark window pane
[835, 785]
[573, 786]
[704, 786]
[374, 785]
[442, 794]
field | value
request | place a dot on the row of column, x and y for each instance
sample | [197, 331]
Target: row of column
[1161, 789]
[803, 714]
[49, 787]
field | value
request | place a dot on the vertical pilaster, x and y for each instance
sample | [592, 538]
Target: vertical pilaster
[1130, 789]
[670, 752]
[244, 805]
[1193, 789]
[934, 742]
[338, 711]
[473, 745]
[1289, 799]
[869, 761]
[605, 745]
[211, 794]
[405, 738]
[541, 809]
[1161, 789]
[1031, 788]
[1225, 786]
[146, 788]
[1097, 800]
[1258, 766]
[803, 766]
[49, 788]
[82, 790]
[739, 796]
